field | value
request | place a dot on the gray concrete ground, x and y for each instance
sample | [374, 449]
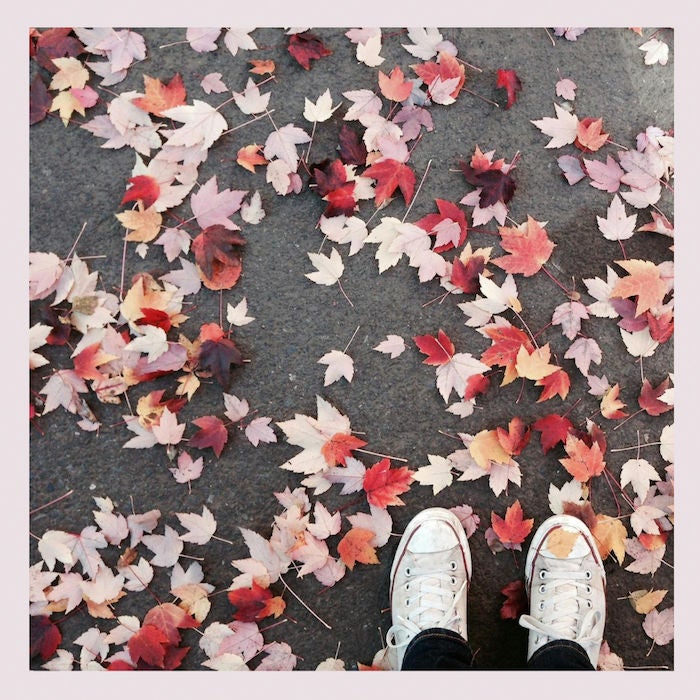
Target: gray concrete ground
[394, 403]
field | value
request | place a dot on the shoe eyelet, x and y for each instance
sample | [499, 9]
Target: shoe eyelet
[407, 587]
[589, 589]
[542, 588]
[453, 565]
[407, 602]
[590, 605]
[541, 605]
[543, 573]
[588, 575]
[453, 580]
[407, 571]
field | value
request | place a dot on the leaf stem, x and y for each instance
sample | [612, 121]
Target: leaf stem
[420, 185]
[51, 503]
[379, 454]
[286, 585]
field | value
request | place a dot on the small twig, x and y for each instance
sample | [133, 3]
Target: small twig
[476, 68]
[551, 38]
[121, 282]
[378, 454]
[634, 447]
[70, 252]
[286, 585]
[420, 184]
[340, 286]
[351, 339]
[630, 417]
[221, 539]
[481, 97]
[250, 121]
[51, 503]
[174, 43]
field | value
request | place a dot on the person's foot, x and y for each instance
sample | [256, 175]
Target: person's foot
[565, 583]
[429, 580]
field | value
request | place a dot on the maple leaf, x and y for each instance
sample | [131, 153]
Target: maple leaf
[609, 534]
[259, 430]
[553, 428]
[617, 226]
[143, 223]
[44, 637]
[611, 406]
[339, 364]
[512, 529]
[563, 128]
[238, 315]
[393, 346]
[583, 462]
[54, 43]
[516, 437]
[535, 364]
[39, 100]
[213, 208]
[604, 176]
[643, 281]
[506, 343]
[659, 626]
[655, 51]
[486, 448]
[439, 349]
[217, 254]
[202, 125]
[355, 546]
[144, 188]
[509, 80]
[566, 88]
[305, 47]
[212, 433]
[167, 547]
[447, 69]
[394, 86]
[590, 135]
[159, 96]
[515, 603]
[650, 398]
[251, 101]
[495, 184]
[200, 527]
[148, 643]
[382, 484]
[390, 174]
[528, 245]
[255, 603]
[451, 214]
[250, 156]
[583, 351]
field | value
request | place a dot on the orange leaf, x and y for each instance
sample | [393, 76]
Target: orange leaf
[610, 406]
[643, 281]
[262, 66]
[507, 341]
[250, 156]
[144, 223]
[512, 529]
[610, 534]
[383, 484]
[515, 439]
[389, 175]
[447, 68]
[583, 462]
[555, 383]
[534, 365]
[159, 97]
[486, 448]
[560, 542]
[590, 135]
[339, 447]
[393, 86]
[528, 245]
[88, 360]
[355, 546]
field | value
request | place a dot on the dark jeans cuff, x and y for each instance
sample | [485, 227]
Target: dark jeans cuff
[437, 649]
[560, 655]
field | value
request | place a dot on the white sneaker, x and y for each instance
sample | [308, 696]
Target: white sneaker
[565, 583]
[429, 580]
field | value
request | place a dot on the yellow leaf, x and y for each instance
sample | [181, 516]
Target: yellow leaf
[71, 74]
[534, 365]
[189, 383]
[560, 542]
[610, 534]
[145, 224]
[486, 448]
[66, 104]
[643, 281]
[645, 601]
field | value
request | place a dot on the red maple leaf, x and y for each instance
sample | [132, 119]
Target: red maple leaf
[217, 254]
[509, 80]
[649, 398]
[39, 100]
[148, 643]
[351, 147]
[661, 328]
[159, 97]
[516, 602]
[255, 603]
[466, 275]
[169, 618]
[553, 428]
[44, 637]
[555, 383]
[476, 384]
[212, 434]
[528, 245]
[439, 350]
[155, 317]
[515, 439]
[446, 68]
[506, 341]
[305, 47]
[511, 530]
[333, 186]
[143, 187]
[583, 461]
[355, 546]
[590, 135]
[448, 210]
[217, 356]
[339, 447]
[393, 86]
[383, 484]
[87, 361]
[390, 174]
[497, 186]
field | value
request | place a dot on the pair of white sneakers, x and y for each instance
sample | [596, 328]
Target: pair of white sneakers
[432, 569]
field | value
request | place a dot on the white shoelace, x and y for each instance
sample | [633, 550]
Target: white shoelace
[562, 616]
[431, 603]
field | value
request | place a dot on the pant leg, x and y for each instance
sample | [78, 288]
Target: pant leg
[437, 649]
[560, 655]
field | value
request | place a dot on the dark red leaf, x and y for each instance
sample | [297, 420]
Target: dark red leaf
[155, 317]
[39, 100]
[660, 329]
[217, 243]
[466, 276]
[56, 43]
[217, 357]
[60, 325]
[649, 398]
[212, 434]
[389, 175]
[352, 149]
[496, 185]
[554, 429]
[148, 643]
[169, 618]
[447, 210]
[516, 602]
[44, 637]
[305, 47]
[250, 603]
[476, 384]
[330, 178]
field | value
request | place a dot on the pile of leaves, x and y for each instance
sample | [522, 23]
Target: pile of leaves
[123, 346]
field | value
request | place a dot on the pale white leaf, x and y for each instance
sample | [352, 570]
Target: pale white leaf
[563, 128]
[394, 345]
[639, 343]
[339, 365]
[200, 527]
[617, 226]
[329, 269]
[259, 430]
[640, 473]
[238, 315]
[437, 474]
[321, 110]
